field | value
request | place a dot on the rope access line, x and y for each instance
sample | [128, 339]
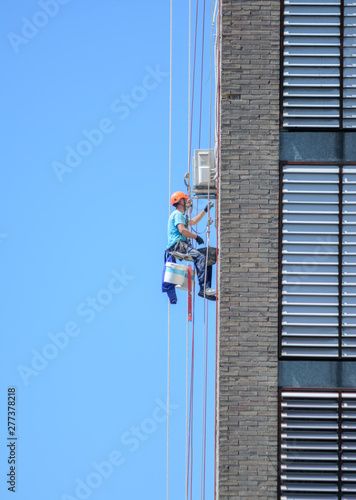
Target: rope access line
[202, 469]
[169, 211]
[205, 369]
[211, 68]
[191, 420]
[189, 459]
[213, 11]
[191, 399]
[206, 307]
[201, 74]
[195, 52]
[205, 330]
[187, 333]
[189, 441]
[189, 473]
[217, 347]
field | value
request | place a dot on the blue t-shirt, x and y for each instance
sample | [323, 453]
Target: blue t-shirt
[174, 235]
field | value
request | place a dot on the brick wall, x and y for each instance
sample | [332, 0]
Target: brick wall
[248, 242]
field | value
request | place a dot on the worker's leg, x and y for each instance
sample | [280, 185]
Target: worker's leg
[209, 270]
[199, 261]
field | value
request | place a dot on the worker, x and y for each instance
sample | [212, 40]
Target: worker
[178, 240]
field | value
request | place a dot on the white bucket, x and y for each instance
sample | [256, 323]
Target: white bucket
[185, 283]
[175, 273]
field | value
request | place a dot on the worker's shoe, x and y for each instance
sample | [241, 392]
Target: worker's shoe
[209, 293]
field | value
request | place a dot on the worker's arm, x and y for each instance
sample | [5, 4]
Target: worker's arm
[185, 232]
[197, 218]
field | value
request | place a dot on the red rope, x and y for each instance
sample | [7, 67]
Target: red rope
[190, 420]
[191, 401]
[190, 433]
[201, 75]
[206, 393]
[217, 246]
[192, 107]
[190, 293]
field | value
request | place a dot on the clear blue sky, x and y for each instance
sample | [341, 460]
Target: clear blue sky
[84, 198]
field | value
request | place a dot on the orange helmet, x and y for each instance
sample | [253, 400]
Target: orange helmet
[177, 196]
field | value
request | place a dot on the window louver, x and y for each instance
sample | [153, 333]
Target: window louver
[349, 52]
[318, 445]
[318, 305]
[319, 81]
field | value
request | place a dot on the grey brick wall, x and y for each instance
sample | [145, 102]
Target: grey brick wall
[248, 250]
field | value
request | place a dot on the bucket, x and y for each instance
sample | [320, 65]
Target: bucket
[185, 283]
[175, 273]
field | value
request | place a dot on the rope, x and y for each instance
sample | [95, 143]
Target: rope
[195, 53]
[206, 306]
[205, 368]
[202, 478]
[169, 211]
[189, 78]
[205, 396]
[215, 9]
[189, 418]
[190, 447]
[201, 74]
[186, 411]
[170, 106]
[187, 334]
[211, 65]
[192, 391]
[217, 116]
[168, 385]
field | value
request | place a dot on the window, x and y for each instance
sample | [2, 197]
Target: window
[317, 452]
[318, 261]
[319, 63]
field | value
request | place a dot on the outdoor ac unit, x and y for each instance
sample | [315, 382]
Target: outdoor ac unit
[203, 169]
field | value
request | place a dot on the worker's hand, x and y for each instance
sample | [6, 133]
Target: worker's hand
[199, 240]
[209, 206]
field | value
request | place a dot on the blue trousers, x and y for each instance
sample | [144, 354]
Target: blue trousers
[199, 261]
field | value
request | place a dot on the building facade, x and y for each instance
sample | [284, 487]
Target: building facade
[286, 409]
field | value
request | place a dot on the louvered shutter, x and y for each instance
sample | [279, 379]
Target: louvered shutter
[315, 71]
[311, 64]
[349, 49]
[318, 310]
[309, 445]
[317, 445]
[348, 446]
[349, 262]
[310, 270]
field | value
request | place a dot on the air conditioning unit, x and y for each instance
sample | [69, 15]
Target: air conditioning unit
[204, 170]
